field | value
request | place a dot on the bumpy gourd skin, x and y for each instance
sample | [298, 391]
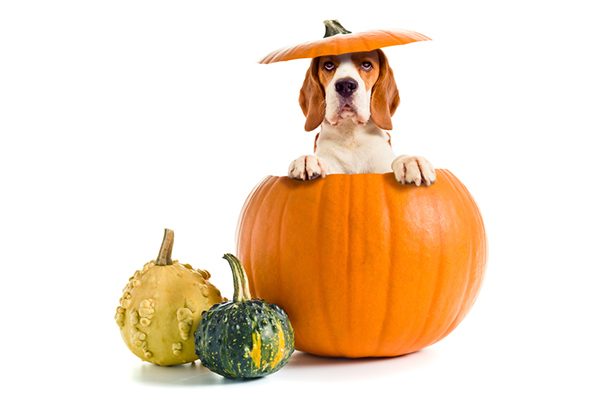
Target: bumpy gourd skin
[247, 339]
[160, 309]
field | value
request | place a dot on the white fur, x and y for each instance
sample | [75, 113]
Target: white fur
[360, 99]
[413, 169]
[306, 168]
[354, 149]
[350, 143]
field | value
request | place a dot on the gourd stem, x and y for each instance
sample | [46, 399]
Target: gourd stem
[241, 290]
[333, 27]
[166, 248]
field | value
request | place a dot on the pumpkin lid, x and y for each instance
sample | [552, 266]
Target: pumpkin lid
[338, 40]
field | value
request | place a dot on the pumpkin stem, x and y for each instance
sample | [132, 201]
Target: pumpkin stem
[166, 248]
[333, 27]
[241, 290]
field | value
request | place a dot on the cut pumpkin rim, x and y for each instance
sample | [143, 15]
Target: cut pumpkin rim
[336, 176]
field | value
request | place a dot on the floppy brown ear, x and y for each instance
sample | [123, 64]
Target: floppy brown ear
[312, 97]
[384, 96]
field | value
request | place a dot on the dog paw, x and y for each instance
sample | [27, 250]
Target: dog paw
[413, 169]
[306, 168]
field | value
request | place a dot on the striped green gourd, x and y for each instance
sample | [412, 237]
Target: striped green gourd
[245, 337]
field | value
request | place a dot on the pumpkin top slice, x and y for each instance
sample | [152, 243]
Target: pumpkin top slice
[339, 40]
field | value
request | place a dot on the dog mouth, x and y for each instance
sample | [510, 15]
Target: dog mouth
[346, 110]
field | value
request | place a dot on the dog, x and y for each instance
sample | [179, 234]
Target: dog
[352, 97]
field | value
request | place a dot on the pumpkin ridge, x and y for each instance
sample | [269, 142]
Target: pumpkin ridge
[400, 195]
[439, 272]
[245, 208]
[391, 252]
[460, 193]
[264, 192]
[471, 283]
[321, 289]
[349, 315]
[459, 313]
[332, 310]
[271, 197]
[478, 223]
[247, 217]
[277, 270]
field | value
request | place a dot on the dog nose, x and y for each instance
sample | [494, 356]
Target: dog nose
[345, 87]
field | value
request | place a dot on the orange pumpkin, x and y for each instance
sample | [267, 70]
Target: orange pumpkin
[364, 266]
[339, 40]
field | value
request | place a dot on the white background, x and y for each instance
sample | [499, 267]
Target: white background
[120, 118]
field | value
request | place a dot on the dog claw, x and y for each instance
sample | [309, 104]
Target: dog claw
[416, 170]
[306, 168]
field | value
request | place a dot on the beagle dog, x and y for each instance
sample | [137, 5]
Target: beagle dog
[353, 97]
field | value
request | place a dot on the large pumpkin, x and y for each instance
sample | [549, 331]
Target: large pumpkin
[364, 266]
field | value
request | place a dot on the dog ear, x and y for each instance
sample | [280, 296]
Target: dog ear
[312, 97]
[384, 97]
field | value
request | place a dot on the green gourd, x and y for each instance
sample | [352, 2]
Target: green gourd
[245, 337]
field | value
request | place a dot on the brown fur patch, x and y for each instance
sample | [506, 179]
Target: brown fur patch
[369, 77]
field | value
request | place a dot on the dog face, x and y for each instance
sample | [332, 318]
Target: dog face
[348, 80]
[353, 86]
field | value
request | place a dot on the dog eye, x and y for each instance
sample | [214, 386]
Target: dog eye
[328, 65]
[367, 66]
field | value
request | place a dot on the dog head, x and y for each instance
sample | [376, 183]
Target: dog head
[356, 86]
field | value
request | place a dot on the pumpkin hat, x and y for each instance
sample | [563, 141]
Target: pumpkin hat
[338, 40]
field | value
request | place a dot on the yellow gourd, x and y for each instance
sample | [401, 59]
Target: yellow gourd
[161, 306]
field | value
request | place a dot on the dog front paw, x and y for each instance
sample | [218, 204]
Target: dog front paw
[306, 168]
[413, 169]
